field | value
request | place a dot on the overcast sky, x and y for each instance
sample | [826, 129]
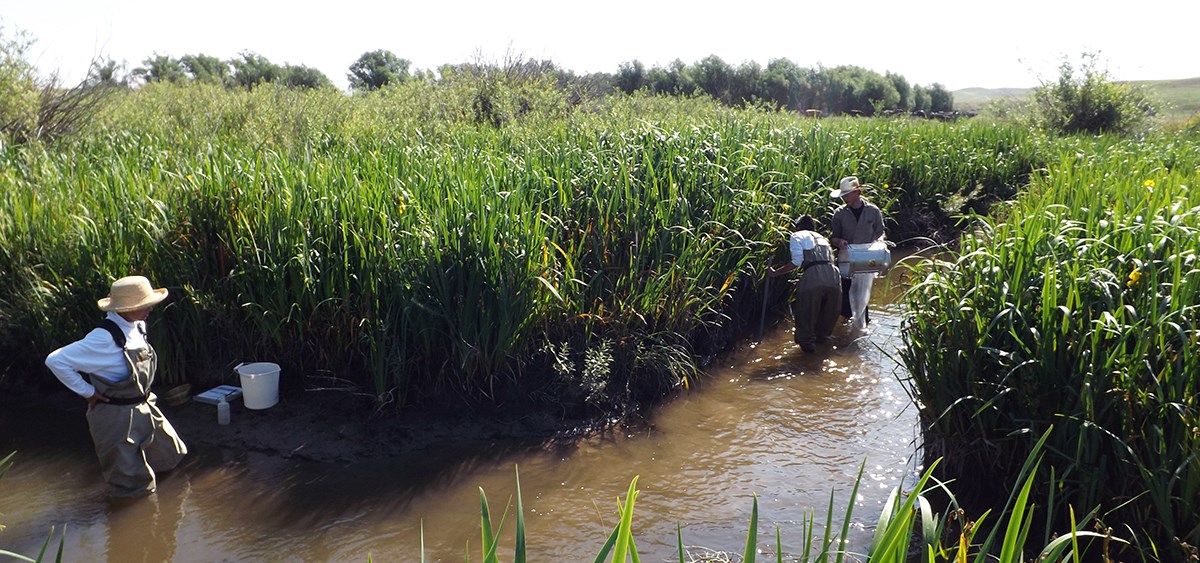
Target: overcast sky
[1010, 43]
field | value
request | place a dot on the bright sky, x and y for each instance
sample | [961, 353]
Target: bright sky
[1009, 43]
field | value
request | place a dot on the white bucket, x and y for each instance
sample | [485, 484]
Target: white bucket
[260, 384]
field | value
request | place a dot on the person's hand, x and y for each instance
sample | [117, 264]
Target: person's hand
[842, 244]
[97, 397]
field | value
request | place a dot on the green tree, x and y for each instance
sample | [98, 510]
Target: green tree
[784, 83]
[685, 82]
[747, 83]
[662, 81]
[877, 93]
[160, 68]
[253, 69]
[853, 89]
[304, 77]
[107, 72]
[713, 75]
[631, 76]
[206, 69]
[921, 99]
[376, 69]
[940, 99]
[1086, 101]
[902, 89]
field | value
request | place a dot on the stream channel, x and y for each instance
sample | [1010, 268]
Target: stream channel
[766, 420]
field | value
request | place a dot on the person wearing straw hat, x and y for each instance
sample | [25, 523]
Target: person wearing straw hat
[112, 367]
[856, 221]
[815, 307]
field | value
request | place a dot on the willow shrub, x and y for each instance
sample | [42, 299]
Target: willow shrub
[586, 256]
[1078, 307]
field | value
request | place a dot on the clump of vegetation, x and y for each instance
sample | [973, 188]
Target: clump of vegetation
[1077, 307]
[1085, 100]
[37, 109]
[18, 85]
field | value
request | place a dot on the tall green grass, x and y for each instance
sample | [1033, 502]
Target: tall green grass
[1078, 307]
[584, 258]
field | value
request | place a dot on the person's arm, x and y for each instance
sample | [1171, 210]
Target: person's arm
[84, 355]
[797, 243]
[780, 270]
[837, 234]
[877, 232]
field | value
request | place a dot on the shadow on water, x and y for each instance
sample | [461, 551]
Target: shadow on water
[768, 420]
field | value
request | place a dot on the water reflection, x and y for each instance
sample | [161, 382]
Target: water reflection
[770, 421]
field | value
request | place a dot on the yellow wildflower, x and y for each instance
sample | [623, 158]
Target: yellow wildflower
[1148, 183]
[1134, 276]
[786, 207]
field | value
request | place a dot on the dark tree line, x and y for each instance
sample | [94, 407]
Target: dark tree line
[782, 84]
[785, 85]
[247, 70]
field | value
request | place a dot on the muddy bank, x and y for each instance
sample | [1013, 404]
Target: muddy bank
[323, 426]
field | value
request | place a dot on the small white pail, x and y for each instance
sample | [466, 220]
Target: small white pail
[260, 384]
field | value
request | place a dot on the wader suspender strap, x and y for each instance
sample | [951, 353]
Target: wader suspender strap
[117, 335]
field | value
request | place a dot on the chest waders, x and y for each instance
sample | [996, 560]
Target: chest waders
[133, 439]
[815, 308]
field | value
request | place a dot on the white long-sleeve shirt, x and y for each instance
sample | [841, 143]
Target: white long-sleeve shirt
[96, 354]
[799, 242]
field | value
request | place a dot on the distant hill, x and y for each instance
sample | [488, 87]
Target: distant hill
[1180, 98]
[974, 99]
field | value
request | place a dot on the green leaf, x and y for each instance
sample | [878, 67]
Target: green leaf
[519, 548]
[751, 551]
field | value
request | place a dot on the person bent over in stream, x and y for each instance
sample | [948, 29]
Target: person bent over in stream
[815, 307]
[112, 367]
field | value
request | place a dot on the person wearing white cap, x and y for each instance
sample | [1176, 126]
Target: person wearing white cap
[132, 437]
[857, 221]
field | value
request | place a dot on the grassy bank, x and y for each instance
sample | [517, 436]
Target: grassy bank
[1077, 307]
[582, 255]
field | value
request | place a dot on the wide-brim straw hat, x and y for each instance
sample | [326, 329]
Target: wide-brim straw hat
[847, 185]
[131, 293]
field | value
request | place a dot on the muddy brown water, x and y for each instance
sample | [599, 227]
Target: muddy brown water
[768, 420]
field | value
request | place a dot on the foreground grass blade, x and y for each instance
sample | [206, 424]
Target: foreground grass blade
[751, 551]
[625, 527]
[519, 547]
